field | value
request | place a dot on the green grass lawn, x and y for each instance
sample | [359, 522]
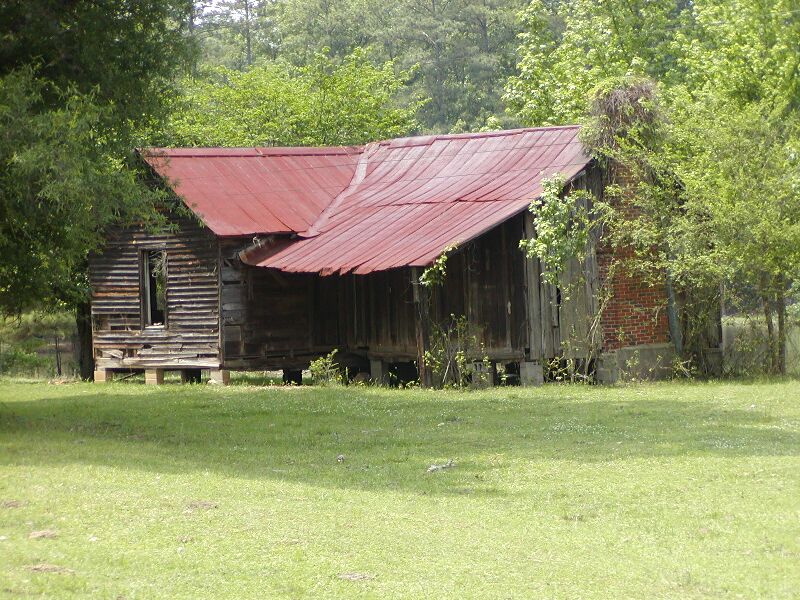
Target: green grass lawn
[647, 491]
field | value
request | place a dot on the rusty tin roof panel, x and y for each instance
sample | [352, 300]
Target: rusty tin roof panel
[385, 205]
[421, 195]
[247, 191]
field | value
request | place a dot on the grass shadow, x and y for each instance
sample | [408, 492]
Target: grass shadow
[372, 438]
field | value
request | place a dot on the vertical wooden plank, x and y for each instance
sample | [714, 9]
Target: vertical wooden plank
[505, 282]
[344, 330]
[373, 330]
[422, 327]
[533, 298]
[519, 321]
[220, 314]
[386, 311]
[310, 303]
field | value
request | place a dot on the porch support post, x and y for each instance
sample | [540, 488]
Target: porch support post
[154, 376]
[378, 371]
[219, 376]
[531, 373]
[421, 327]
[103, 375]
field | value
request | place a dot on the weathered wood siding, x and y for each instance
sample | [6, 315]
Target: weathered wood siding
[273, 320]
[562, 318]
[485, 282]
[222, 313]
[377, 314]
[191, 335]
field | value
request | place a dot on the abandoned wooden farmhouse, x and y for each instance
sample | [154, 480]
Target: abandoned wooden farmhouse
[289, 253]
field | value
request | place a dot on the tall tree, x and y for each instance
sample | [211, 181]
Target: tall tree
[718, 193]
[277, 104]
[464, 49]
[236, 33]
[79, 80]
[568, 47]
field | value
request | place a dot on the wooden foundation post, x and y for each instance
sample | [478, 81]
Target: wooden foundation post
[103, 375]
[154, 376]
[378, 371]
[422, 327]
[531, 373]
[219, 376]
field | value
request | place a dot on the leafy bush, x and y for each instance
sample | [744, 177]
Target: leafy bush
[17, 361]
[457, 357]
[325, 370]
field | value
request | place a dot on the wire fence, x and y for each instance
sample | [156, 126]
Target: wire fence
[747, 349]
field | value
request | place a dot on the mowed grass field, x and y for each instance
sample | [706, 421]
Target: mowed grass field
[643, 491]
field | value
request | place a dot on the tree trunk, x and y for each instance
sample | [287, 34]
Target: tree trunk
[247, 33]
[771, 348]
[83, 349]
[780, 305]
[58, 357]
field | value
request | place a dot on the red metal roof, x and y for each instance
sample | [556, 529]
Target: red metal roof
[389, 204]
[246, 191]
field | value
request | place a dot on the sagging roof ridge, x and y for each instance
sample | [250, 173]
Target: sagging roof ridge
[381, 205]
[250, 151]
[407, 141]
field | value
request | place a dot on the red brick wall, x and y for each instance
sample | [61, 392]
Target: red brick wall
[636, 312]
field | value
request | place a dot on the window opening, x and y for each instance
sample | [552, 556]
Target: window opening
[155, 287]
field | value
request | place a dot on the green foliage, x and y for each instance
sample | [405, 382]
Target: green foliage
[276, 104]
[124, 53]
[563, 223]
[325, 370]
[15, 361]
[460, 51]
[697, 106]
[79, 84]
[234, 33]
[457, 356]
[435, 274]
[569, 47]
[32, 344]
[60, 188]
[33, 327]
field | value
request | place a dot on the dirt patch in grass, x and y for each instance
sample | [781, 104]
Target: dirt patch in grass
[10, 504]
[44, 534]
[356, 576]
[48, 568]
[201, 505]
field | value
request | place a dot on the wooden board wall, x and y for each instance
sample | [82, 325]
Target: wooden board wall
[560, 317]
[277, 320]
[224, 313]
[377, 314]
[274, 320]
[485, 282]
[191, 336]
